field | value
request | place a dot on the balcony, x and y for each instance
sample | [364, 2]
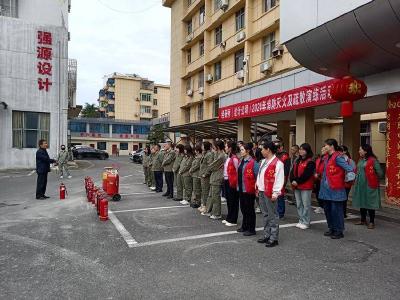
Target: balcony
[220, 51]
[111, 101]
[194, 67]
[192, 9]
[167, 3]
[224, 85]
[265, 23]
[196, 35]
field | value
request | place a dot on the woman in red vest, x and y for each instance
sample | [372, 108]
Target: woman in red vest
[247, 175]
[230, 184]
[269, 183]
[366, 194]
[302, 180]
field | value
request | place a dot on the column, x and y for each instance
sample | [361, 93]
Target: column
[110, 130]
[351, 134]
[305, 127]
[284, 133]
[244, 130]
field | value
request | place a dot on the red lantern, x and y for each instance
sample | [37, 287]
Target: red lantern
[347, 90]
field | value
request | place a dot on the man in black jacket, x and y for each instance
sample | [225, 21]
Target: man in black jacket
[43, 162]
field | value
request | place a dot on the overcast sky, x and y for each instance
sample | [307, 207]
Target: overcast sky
[125, 36]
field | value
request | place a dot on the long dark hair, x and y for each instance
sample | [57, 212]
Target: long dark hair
[207, 146]
[368, 149]
[180, 147]
[147, 150]
[307, 147]
[332, 142]
[233, 146]
[219, 145]
[189, 150]
[198, 148]
[258, 155]
[249, 147]
[345, 150]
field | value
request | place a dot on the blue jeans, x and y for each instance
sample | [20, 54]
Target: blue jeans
[303, 203]
[334, 216]
[281, 206]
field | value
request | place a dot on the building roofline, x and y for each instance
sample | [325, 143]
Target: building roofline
[111, 121]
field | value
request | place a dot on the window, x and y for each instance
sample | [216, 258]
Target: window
[145, 97]
[240, 19]
[155, 102]
[119, 128]
[239, 57]
[145, 109]
[200, 109]
[155, 113]
[268, 45]
[155, 90]
[102, 145]
[216, 107]
[189, 27]
[218, 35]
[201, 79]
[189, 2]
[268, 4]
[187, 115]
[217, 4]
[110, 107]
[8, 8]
[99, 128]
[141, 129]
[77, 127]
[365, 133]
[201, 48]
[202, 15]
[123, 146]
[189, 56]
[29, 127]
[189, 84]
[217, 71]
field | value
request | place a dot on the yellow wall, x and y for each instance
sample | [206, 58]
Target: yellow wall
[126, 92]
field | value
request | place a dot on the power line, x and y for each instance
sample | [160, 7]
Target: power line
[128, 12]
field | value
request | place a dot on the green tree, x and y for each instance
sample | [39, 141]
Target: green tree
[90, 111]
[156, 134]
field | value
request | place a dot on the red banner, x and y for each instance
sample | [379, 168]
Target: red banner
[393, 150]
[306, 96]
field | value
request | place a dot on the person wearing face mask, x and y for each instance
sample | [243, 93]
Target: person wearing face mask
[62, 159]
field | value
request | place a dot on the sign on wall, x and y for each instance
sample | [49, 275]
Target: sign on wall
[44, 56]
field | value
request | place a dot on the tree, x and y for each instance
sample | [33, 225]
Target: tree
[156, 134]
[90, 111]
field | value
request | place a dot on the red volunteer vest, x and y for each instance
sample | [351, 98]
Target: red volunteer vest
[319, 166]
[335, 174]
[299, 170]
[249, 178]
[269, 178]
[232, 172]
[370, 174]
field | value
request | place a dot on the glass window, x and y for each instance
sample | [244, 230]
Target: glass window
[145, 109]
[200, 109]
[189, 56]
[123, 146]
[201, 79]
[217, 71]
[141, 129]
[240, 19]
[155, 102]
[189, 84]
[268, 4]
[216, 107]
[187, 115]
[239, 57]
[155, 90]
[217, 4]
[201, 47]
[202, 15]
[145, 97]
[119, 128]
[218, 35]
[77, 127]
[28, 128]
[155, 113]
[99, 128]
[189, 27]
[102, 145]
[268, 45]
[110, 107]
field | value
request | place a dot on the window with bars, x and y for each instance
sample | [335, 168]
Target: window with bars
[239, 57]
[240, 19]
[216, 107]
[202, 15]
[189, 27]
[145, 109]
[268, 45]
[218, 35]
[145, 97]
[189, 56]
[30, 127]
[201, 79]
[201, 47]
[268, 4]
[155, 102]
[9, 8]
[217, 71]
[200, 110]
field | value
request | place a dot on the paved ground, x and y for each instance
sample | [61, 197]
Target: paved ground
[60, 250]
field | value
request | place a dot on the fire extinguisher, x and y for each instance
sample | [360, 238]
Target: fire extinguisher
[103, 209]
[63, 191]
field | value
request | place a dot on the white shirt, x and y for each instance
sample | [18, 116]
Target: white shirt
[279, 176]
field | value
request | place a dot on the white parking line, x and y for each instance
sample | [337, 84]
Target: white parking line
[122, 230]
[150, 208]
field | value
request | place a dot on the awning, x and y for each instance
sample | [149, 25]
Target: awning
[211, 129]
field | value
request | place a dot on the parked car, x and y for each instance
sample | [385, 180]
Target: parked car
[88, 152]
[134, 152]
[138, 157]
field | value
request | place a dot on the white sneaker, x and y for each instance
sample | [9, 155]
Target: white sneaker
[230, 224]
[61, 177]
[153, 188]
[258, 210]
[224, 222]
[223, 199]
[184, 202]
[304, 226]
[215, 217]
[319, 210]
[205, 214]
[69, 177]
[298, 225]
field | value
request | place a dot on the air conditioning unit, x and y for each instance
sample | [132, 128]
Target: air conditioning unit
[201, 90]
[240, 36]
[240, 75]
[277, 51]
[224, 4]
[382, 127]
[189, 93]
[189, 38]
[209, 78]
[266, 67]
[137, 99]
[137, 115]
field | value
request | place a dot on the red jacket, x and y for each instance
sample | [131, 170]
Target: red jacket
[335, 174]
[232, 172]
[249, 178]
[370, 174]
[269, 177]
[298, 171]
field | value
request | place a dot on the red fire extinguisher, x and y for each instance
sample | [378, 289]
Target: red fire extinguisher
[63, 191]
[103, 210]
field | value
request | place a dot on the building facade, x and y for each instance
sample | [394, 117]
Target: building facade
[130, 97]
[33, 78]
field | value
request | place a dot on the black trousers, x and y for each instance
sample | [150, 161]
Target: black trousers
[159, 180]
[41, 184]
[232, 202]
[169, 179]
[345, 202]
[371, 213]
[248, 212]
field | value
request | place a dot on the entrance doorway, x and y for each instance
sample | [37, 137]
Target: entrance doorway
[114, 149]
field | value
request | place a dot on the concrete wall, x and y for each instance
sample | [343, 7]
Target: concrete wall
[44, 12]
[19, 87]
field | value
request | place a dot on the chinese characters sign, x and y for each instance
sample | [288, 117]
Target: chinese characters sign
[393, 149]
[44, 55]
[119, 136]
[307, 96]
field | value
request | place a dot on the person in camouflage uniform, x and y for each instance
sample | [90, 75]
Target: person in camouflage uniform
[184, 172]
[179, 150]
[63, 158]
[204, 174]
[157, 168]
[145, 163]
[152, 182]
[194, 172]
[167, 164]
